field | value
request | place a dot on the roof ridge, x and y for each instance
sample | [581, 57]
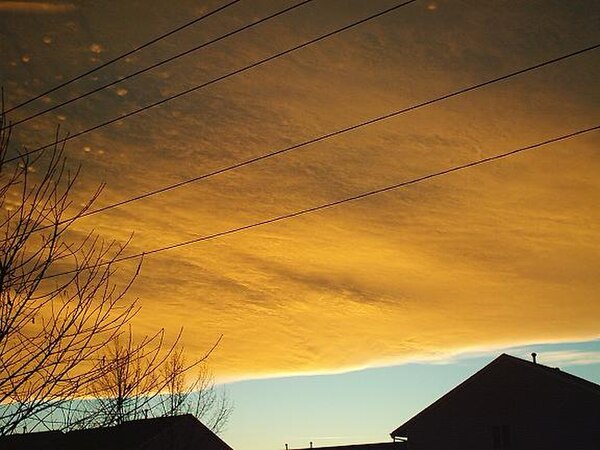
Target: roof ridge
[349, 446]
[555, 372]
[558, 373]
[444, 397]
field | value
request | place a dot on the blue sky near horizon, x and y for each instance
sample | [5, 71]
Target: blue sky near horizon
[366, 405]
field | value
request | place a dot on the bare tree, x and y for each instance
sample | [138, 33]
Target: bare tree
[65, 336]
[58, 303]
[198, 397]
[148, 378]
[131, 381]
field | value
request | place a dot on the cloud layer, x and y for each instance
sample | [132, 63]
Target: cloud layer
[36, 7]
[570, 358]
[501, 255]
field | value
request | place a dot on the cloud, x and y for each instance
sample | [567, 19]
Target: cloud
[569, 358]
[36, 7]
[497, 256]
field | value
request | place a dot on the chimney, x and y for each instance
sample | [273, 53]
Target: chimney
[533, 356]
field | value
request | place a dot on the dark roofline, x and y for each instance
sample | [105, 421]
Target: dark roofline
[162, 426]
[589, 386]
[189, 418]
[34, 433]
[390, 444]
[151, 430]
[445, 397]
[566, 377]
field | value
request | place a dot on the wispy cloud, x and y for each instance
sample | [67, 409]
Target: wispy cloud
[36, 7]
[569, 358]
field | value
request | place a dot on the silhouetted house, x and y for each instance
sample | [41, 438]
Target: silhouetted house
[32, 441]
[165, 433]
[510, 404]
[378, 446]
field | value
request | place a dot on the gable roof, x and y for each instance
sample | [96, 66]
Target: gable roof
[185, 432]
[176, 433]
[509, 361]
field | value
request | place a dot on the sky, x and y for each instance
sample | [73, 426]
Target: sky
[504, 255]
[367, 405]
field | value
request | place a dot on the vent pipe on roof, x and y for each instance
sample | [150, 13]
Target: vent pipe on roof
[310, 444]
[286, 447]
[534, 355]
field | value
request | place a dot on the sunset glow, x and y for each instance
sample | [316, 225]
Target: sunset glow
[501, 255]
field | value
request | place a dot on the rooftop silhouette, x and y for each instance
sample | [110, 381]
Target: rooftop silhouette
[173, 433]
[509, 404]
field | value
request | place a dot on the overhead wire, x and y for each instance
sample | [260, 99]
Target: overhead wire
[335, 133]
[162, 62]
[360, 196]
[126, 54]
[215, 80]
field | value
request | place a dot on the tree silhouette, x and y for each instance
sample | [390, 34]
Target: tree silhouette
[64, 323]
[58, 303]
[148, 378]
[198, 397]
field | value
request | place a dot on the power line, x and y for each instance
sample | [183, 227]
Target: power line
[332, 134]
[126, 54]
[215, 80]
[356, 197]
[162, 62]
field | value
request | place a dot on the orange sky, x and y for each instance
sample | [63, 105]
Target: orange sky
[503, 254]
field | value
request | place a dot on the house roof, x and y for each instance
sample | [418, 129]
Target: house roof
[31, 441]
[148, 434]
[505, 360]
[176, 433]
[396, 445]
